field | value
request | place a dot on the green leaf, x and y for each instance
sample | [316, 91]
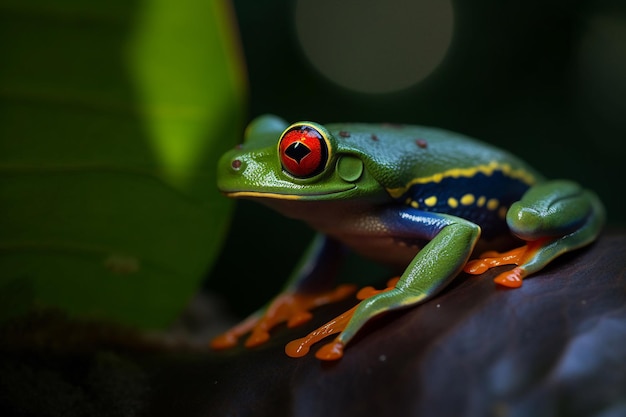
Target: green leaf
[112, 117]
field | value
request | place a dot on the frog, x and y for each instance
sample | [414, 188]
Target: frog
[427, 202]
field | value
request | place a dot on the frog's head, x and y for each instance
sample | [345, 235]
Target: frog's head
[297, 162]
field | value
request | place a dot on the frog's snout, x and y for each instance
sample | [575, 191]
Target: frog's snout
[230, 169]
[233, 162]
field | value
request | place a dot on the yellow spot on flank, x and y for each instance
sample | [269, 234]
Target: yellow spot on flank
[467, 199]
[486, 169]
[452, 202]
[415, 204]
[407, 201]
[431, 201]
[492, 204]
[502, 212]
[481, 201]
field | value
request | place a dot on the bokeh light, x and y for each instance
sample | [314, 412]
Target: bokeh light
[372, 46]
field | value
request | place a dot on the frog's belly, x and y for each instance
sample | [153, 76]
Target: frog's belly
[367, 235]
[384, 249]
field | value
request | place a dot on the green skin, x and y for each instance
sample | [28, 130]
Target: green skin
[366, 196]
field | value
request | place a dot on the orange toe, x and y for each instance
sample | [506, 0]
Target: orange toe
[330, 352]
[334, 350]
[292, 308]
[510, 279]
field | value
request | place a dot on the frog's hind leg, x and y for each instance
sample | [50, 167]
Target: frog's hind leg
[553, 218]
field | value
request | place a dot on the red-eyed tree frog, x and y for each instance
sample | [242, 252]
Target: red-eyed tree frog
[416, 198]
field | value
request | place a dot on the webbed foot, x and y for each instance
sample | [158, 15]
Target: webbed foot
[290, 307]
[554, 217]
[334, 350]
[517, 256]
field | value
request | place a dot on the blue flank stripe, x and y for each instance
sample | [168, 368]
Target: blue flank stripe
[496, 186]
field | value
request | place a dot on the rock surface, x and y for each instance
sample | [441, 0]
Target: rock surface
[555, 346]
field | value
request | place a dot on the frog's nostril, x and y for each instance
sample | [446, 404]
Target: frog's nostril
[236, 164]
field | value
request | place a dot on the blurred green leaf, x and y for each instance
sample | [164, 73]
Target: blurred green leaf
[112, 117]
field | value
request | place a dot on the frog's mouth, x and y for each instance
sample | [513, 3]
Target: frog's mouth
[286, 196]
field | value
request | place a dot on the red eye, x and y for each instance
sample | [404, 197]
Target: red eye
[303, 151]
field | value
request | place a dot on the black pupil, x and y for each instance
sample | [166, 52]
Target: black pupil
[297, 151]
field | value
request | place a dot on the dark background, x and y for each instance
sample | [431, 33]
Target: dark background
[543, 79]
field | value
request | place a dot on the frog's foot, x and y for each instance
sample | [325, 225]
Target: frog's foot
[553, 217]
[290, 307]
[333, 350]
[518, 256]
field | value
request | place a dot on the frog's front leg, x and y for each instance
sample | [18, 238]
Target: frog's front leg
[554, 217]
[451, 241]
[310, 286]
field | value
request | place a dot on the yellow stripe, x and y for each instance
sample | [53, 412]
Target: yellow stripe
[238, 194]
[488, 169]
[279, 196]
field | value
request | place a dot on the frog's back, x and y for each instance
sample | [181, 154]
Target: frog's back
[410, 152]
[436, 170]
